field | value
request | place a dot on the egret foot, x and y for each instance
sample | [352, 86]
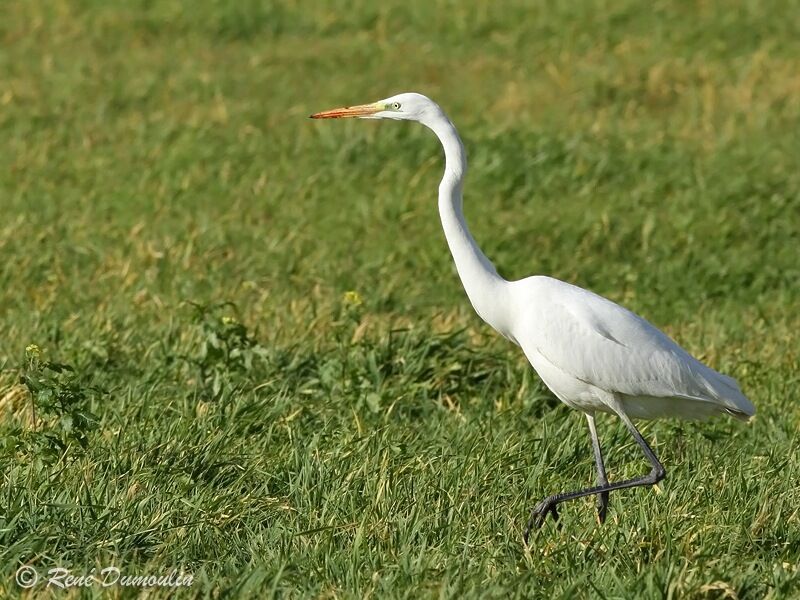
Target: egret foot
[602, 507]
[548, 505]
[539, 514]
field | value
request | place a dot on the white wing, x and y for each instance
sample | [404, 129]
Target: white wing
[609, 347]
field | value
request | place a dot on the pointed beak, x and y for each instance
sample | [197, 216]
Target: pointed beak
[362, 110]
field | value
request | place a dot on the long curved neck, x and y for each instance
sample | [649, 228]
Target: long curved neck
[484, 287]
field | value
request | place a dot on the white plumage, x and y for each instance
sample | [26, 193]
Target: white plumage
[587, 348]
[592, 353]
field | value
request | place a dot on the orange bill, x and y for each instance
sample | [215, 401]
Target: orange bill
[362, 110]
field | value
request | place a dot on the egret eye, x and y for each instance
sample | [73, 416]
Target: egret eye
[396, 105]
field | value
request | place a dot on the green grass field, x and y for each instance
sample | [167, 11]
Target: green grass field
[278, 383]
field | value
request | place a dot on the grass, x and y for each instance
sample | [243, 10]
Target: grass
[179, 235]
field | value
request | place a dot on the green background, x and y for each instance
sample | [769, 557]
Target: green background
[155, 154]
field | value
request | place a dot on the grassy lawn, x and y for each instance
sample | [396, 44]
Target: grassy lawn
[273, 378]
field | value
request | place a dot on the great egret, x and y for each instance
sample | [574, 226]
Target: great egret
[593, 354]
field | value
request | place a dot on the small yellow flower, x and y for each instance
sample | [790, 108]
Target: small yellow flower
[229, 320]
[33, 350]
[353, 298]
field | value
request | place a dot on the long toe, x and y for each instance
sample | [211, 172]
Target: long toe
[533, 522]
[556, 520]
[602, 507]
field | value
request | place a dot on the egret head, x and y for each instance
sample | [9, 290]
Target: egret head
[402, 107]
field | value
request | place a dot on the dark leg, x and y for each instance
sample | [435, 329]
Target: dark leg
[602, 497]
[549, 504]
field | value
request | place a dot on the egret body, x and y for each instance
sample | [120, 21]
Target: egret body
[593, 354]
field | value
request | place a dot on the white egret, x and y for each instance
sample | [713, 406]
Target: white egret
[593, 354]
